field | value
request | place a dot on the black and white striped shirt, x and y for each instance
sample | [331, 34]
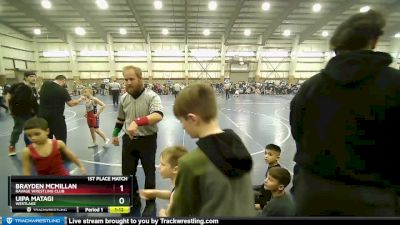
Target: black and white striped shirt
[130, 109]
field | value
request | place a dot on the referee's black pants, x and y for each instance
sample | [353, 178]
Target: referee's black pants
[115, 95]
[143, 148]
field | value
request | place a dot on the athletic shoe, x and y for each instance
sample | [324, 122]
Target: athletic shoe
[92, 145]
[11, 151]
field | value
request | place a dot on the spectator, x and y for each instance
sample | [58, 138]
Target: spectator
[22, 100]
[281, 203]
[341, 120]
[214, 179]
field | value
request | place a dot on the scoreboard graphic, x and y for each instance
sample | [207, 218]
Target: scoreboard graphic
[86, 194]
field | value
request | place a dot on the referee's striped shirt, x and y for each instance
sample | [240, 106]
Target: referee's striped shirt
[130, 109]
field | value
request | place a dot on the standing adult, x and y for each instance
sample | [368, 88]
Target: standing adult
[53, 96]
[22, 101]
[342, 120]
[139, 112]
[227, 87]
[177, 88]
[115, 91]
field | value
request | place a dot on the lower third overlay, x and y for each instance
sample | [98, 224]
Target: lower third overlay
[54, 220]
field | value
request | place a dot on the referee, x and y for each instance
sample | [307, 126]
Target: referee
[139, 112]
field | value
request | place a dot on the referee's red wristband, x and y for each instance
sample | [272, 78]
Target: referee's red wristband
[142, 121]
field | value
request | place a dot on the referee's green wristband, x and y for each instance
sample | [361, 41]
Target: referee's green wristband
[116, 131]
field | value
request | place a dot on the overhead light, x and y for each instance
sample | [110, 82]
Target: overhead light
[316, 7]
[131, 53]
[265, 6]
[80, 31]
[286, 33]
[204, 53]
[325, 33]
[206, 32]
[164, 31]
[122, 31]
[46, 4]
[240, 54]
[330, 54]
[37, 31]
[365, 9]
[275, 54]
[171, 53]
[212, 5]
[93, 53]
[157, 4]
[310, 54]
[247, 32]
[55, 54]
[102, 4]
[397, 35]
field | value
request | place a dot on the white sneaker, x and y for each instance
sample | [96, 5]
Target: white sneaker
[107, 141]
[92, 145]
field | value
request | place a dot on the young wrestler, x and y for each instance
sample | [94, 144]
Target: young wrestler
[45, 153]
[92, 116]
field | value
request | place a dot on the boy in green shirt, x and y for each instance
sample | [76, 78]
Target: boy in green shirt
[214, 179]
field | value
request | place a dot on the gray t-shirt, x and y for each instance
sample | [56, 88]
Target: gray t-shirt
[130, 109]
[279, 206]
[177, 87]
[115, 86]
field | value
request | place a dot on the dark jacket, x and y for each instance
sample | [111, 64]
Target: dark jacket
[344, 120]
[214, 180]
[23, 101]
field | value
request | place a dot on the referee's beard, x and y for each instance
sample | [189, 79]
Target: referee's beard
[135, 89]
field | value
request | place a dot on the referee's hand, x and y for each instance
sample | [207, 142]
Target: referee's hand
[133, 128]
[115, 141]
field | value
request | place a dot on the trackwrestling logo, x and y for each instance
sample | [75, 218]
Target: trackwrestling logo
[33, 220]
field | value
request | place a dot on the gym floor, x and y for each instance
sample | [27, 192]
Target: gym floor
[258, 119]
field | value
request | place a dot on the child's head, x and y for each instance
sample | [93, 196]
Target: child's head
[277, 180]
[272, 154]
[195, 105]
[37, 130]
[169, 161]
[87, 92]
